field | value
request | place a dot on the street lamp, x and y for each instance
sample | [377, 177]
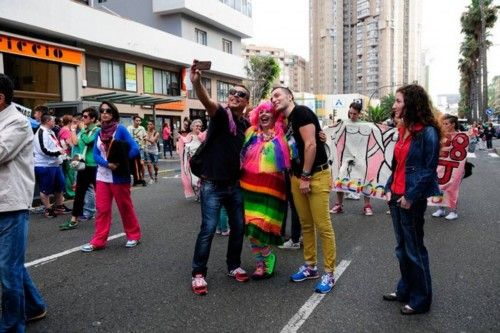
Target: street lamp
[386, 86]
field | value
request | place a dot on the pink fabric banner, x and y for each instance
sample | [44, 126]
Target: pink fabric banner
[361, 156]
[452, 158]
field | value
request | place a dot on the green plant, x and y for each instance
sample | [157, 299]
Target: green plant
[262, 71]
[377, 114]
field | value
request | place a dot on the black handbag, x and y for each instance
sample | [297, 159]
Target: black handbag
[196, 161]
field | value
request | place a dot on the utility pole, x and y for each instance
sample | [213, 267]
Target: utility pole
[484, 65]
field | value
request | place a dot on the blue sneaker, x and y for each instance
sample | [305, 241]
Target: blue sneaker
[305, 272]
[326, 284]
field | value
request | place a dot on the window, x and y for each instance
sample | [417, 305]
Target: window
[227, 46]
[158, 81]
[106, 73]
[201, 36]
[223, 90]
[207, 83]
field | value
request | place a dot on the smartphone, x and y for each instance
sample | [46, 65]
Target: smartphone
[203, 65]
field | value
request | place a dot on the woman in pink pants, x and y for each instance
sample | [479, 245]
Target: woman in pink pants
[113, 148]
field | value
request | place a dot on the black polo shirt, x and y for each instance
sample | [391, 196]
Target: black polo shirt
[222, 153]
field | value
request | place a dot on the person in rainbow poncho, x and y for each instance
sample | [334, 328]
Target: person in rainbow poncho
[265, 156]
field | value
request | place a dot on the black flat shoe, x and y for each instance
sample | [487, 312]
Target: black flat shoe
[390, 297]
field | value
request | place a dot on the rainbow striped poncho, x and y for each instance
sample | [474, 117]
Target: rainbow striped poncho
[263, 183]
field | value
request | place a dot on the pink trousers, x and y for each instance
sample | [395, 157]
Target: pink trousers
[104, 194]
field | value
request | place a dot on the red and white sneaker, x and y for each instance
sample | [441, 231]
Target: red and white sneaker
[238, 274]
[199, 285]
[367, 210]
[337, 209]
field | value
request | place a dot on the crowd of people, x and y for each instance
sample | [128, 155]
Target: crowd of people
[254, 167]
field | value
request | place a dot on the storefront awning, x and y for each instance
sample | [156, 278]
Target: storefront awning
[131, 99]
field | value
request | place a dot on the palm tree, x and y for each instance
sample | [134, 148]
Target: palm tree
[480, 16]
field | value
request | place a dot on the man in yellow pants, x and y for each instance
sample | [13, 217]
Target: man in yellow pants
[310, 187]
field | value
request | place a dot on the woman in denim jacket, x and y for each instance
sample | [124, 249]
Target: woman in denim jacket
[413, 180]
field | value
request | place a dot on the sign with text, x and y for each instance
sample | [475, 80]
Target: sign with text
[451, 167]
[39, 50]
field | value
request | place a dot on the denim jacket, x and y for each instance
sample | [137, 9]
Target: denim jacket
[421, 179]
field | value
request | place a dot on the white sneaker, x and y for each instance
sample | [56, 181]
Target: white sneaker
[290, 245]
[353, 196]
[451, 216]
[132, 243]
[151, 181]
[439, 213]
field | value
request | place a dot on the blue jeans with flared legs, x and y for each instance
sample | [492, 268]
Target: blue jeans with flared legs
[414, 286]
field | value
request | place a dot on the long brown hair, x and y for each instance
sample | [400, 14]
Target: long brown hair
[418, 108]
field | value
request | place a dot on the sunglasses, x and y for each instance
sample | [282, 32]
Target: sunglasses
[85, 116]
[105, 111]
[237, 93]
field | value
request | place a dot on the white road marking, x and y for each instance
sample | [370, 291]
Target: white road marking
[471, 155]
[493, 154]
[176, 176]
[53, 257]
[305, 311]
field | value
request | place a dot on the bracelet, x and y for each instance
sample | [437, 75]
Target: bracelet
[305, 178]
[306, 173]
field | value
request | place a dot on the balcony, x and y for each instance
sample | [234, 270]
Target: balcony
[63, 19]
[212, 12]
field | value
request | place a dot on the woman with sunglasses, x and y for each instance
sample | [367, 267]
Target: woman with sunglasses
[112, 151]
[84, 144]
[413, 180]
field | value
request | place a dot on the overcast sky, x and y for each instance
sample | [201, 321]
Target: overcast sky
[285, 24]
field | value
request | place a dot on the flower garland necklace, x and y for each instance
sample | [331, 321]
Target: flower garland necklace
[265, 136]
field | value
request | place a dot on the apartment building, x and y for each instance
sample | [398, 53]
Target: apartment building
[293, 68]
[74, 53]
[364, 46]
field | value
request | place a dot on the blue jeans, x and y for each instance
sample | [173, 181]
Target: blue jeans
[295, 226]
[167, 146]
[414, 287]
[20, 297]
[213, 196]
[222, 225]
[89, 203]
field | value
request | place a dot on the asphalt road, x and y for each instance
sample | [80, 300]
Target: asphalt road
[147, 289]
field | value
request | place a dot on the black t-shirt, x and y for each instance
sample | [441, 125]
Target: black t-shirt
[222, 154]
[301, 116]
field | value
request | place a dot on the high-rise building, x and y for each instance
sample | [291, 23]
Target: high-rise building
[364, 46]
[293, 68]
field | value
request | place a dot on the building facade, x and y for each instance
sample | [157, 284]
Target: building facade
[65, 52]
[364, 46]
[293, 68]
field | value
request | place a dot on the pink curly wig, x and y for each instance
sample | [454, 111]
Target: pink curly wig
[278, 117]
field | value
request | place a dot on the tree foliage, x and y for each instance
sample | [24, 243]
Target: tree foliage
[262, 71]
[473, 69]
[387, 102]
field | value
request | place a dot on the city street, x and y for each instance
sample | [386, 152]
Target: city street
[147, 288]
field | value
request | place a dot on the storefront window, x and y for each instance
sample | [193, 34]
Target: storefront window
[35, 81]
